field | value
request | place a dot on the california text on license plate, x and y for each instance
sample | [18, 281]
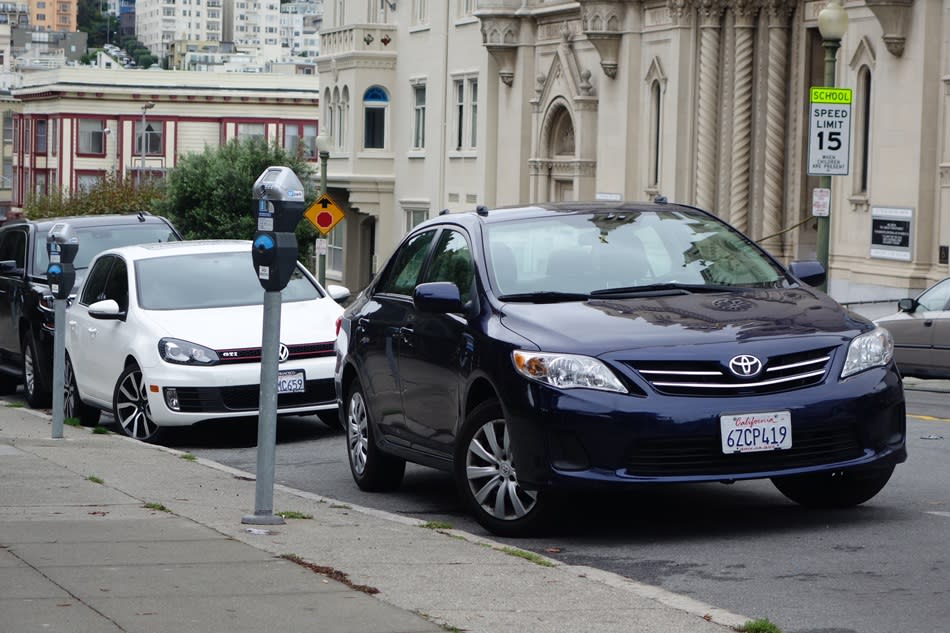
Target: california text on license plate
[750, 432]
[291, 381]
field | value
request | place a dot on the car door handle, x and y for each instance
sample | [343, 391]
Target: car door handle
[405, 334]
[92, 331]
[928, 323]
[72, 325]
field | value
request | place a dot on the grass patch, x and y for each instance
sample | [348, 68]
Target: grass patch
[100, 430]
[436, 525]
[156, 506]
[95, 480]
[14, 405]
[72, 422]
[537, 560]
[290, 514]
[759, 626]
[188, 457]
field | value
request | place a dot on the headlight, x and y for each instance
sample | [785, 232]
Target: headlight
[181, 352]
[874, 349]
[566, 371]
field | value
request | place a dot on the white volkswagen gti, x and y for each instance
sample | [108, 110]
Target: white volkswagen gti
[170, 334]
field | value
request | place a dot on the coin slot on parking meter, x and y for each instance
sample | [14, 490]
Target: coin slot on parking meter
[61, 246]
[280, 206]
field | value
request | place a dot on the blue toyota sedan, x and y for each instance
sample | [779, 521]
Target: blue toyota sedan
[549, 348]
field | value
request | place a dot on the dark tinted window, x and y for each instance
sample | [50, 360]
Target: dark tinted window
[94, 288]
[209, 280]
[13, 248]
[402, 275]
[95, 239]
[453, 262]
[117, 286]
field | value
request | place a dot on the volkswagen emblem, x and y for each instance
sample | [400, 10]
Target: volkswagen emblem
[283, 353]
[745, 365]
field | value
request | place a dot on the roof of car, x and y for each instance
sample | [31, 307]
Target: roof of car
[549, 208]
[89, 220]
[184, 247]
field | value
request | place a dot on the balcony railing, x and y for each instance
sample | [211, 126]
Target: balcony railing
[358, 38]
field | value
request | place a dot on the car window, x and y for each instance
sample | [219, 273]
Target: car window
[583, 252]
[94, 288]
[13, 248]
[452, 261]
[117, 285]
[95, 239]
[403, 273]
[209, 280]
[937, 297]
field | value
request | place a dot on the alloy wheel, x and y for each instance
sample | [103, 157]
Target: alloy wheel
[491, 475]
[131, 406]
[70, 393]
[29, 370]
[357, 432]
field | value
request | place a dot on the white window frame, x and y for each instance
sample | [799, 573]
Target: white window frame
[464, 113]
[415, 216]
[420, 12]
[336, 242]
[419, 114]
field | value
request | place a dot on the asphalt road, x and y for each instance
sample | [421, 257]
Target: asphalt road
[881, 568]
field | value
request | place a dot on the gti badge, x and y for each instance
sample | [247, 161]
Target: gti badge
[745, 366]
[282, 353]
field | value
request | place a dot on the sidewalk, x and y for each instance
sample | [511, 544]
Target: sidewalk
[77, 555]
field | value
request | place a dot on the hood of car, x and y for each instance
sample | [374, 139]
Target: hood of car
[605, 325]
[242, 326]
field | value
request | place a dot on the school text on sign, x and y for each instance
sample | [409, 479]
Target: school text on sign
[829, 131]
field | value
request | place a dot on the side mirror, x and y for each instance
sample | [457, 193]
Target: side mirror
[907, 305]
[107, 310]
[438, 296]
[810, 272]
[338, 293]
[8, 266]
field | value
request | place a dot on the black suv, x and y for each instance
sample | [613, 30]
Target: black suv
[26, 305]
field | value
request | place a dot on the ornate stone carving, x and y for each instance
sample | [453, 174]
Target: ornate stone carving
[708, 103]
[776, 98]
[601, 21]
[742, 115]
[500, 35]
[894, 17]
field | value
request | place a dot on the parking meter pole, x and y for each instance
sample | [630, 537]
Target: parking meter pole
[267, 422]
[59, 367]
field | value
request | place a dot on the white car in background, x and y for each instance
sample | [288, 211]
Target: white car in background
[170, 334]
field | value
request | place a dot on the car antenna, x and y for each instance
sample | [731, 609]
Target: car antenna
[444, 212]
[660, 199]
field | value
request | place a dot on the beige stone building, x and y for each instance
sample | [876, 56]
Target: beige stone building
[453, 103]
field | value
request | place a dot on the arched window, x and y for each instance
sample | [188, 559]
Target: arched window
[343, 114]
[863, 142]
[656, 109]
[375, 110]
[328, 113]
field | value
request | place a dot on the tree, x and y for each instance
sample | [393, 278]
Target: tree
[209, 195]
[110, 195]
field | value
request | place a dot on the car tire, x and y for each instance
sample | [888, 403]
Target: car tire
[487, 480]
[130, 406]
[73, 406]
[37, 393]
[837, 489]
[372, 469]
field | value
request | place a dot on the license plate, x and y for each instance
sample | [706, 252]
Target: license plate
[750, 432]
[291, 381]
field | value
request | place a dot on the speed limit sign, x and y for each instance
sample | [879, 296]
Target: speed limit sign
[829, 135]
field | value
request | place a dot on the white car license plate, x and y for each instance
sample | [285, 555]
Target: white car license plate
[291, 381]
[750, 432]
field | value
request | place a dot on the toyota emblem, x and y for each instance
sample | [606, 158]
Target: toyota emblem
[283, 353]
[745, 365]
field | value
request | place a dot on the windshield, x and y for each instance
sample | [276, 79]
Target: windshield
[582, 253]
[210, 280]
[95, 239]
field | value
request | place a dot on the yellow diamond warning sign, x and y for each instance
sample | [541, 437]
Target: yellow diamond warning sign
[324, 214]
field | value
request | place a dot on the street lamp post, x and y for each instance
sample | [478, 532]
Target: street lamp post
[145, 108]
[832, 24]
[323, 148]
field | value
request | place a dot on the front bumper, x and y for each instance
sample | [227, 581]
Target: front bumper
[584, 437]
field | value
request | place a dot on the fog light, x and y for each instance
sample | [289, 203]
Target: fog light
[171, 399]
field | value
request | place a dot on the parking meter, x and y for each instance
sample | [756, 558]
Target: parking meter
[280, 206]
[62, 246]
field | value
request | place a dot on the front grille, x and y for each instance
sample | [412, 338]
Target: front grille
[253, 354]
[696, 456]
[247, 397]
[712, 378]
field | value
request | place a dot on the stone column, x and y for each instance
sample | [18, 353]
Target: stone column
[775, 129]
[707, 124]
[742, 114]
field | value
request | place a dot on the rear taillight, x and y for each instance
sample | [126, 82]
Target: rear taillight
[339, 322]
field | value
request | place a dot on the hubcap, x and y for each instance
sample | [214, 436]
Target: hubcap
[29, 373]
[357, 433]
[131, 405]
[492, 478]
[70, 395]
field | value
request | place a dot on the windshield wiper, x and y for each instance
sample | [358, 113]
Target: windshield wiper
[545, 296]
[664, 288]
